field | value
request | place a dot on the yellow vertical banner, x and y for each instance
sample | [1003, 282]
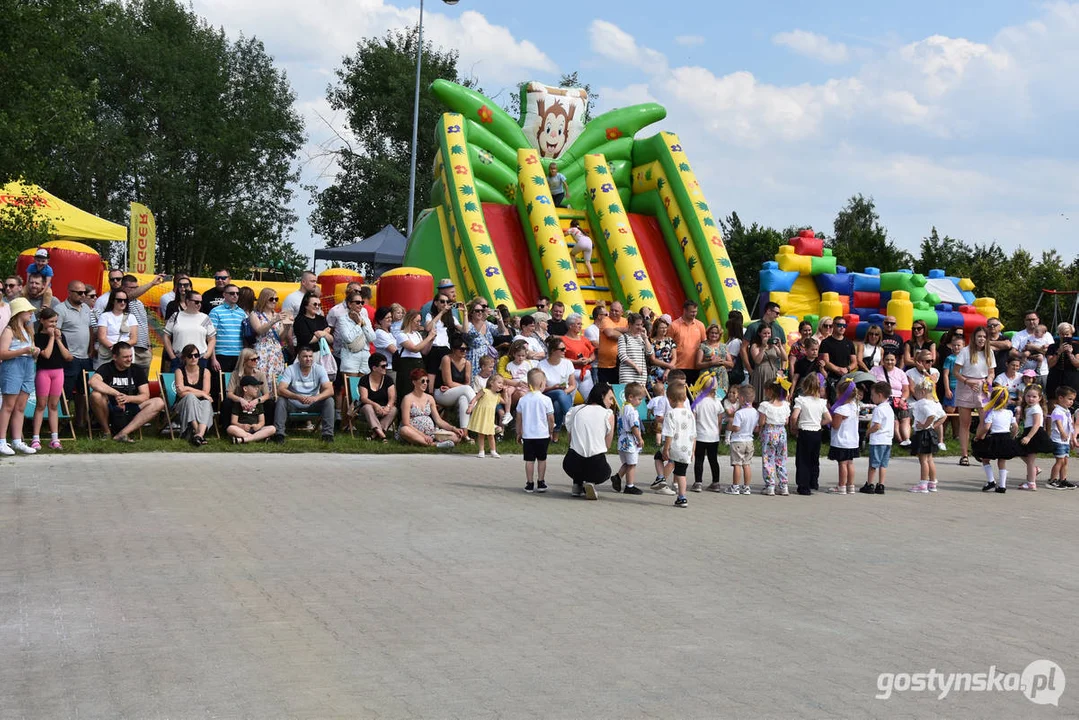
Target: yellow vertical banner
[142, 240]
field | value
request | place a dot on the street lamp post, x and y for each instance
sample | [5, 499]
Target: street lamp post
[416, 122]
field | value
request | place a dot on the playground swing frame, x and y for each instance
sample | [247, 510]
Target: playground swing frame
[1056, 295]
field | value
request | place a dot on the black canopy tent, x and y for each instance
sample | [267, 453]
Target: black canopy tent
[385, 249]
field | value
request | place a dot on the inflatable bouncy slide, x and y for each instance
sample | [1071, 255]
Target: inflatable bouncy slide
[807, 283]
[493, 227]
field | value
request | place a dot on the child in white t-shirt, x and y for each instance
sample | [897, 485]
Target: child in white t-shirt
[996, 439]
[630, 440]
[743, 425]
[881, 434]
[928, 417]
[679, 433]
[844, 446]
[1062, 435]
[774, 414]
[535, 423]
[659, 406]
[707, 411]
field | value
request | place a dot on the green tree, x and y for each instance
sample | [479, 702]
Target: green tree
[860, 241]
[21, 227]
[375, 88]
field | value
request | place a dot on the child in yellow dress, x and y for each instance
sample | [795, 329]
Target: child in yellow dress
[482, 410]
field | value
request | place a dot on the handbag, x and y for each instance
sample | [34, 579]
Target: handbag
[359, 344]
[325, 359]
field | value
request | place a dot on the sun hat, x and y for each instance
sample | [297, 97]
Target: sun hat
[445, 283]
[20, 304]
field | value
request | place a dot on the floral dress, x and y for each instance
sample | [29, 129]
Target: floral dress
[271, 359]
[479, 343]
[420, 418]
[663, 349]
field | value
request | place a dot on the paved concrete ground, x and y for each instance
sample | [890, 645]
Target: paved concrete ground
[318, 586]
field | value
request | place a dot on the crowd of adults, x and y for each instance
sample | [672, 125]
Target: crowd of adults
[413, 363]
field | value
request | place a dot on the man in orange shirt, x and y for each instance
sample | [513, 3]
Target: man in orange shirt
[688, 334]
[610, 329]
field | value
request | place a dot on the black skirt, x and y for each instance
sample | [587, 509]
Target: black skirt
[924, 442]
[841, 454]
[1038, 444]
[996, 446]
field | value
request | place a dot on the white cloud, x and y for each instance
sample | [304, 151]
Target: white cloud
[689, 40]
[812, 45]
[615, 44]
[610, 98]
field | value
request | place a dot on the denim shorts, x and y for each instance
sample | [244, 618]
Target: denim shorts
[879, 455]
[18, 375]
[1060, 450]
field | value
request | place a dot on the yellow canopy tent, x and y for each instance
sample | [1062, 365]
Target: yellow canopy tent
[67, 220]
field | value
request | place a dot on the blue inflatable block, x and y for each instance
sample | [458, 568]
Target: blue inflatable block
[864, 313]
[944, 307]
[872, 271]
[969, 297]
[885, 298]
[777, 280]
[863, 282]
[860, 330]
[876, 319]
[770, 265]
[935, 274]
[841, 269]
[948, 319]
[829, 282]
[906, 272]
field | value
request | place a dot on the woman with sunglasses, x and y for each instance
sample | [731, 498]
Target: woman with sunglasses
[919, 340]
[824, 329]
[194, 405]
[455, 381]
[356, 333]
[414, 343]
[442, 321]
[191, 326]
[420, 424]
[172, 301]
[272, 331]
[310, 325]
[378, 398]
[247, 364]
[114, 325]
[869, 351]
[479, 332]
[561, 381]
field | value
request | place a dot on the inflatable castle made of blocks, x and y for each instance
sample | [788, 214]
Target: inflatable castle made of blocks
[807, 284]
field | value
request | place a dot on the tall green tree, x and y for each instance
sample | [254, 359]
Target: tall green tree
[748, 247]
[167, 111]
[374, 89]
[860, 241]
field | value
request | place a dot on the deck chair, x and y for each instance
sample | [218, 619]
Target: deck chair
[61, 411]
[168, 389]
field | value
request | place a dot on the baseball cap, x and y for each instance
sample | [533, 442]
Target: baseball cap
[249, 380]
[41, 252]
[1029, 373]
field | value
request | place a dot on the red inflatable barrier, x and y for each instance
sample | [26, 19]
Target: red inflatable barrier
[808, 245]
[328, 280]
[409, 286]
[971, 319]
[69, 261]
[867, 300]
[852, 325]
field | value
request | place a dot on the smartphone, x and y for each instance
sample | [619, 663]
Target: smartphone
[167, 278]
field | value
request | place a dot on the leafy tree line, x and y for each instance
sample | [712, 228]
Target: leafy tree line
[105, 102]
[859, 240]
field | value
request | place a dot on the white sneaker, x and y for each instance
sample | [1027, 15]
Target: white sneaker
[507, 419]
[22, 447]
[904, 443]
[922, 487]
[494, 454]
[942, 447]
[480, 455]
[932, 485]
[5, 449]
[783, 490]
[733, 490]
[444, 445]
[664, 490]
[746, 490]
[769, 490]
[697, 487]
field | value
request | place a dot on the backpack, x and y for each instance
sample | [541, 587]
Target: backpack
[247, 333]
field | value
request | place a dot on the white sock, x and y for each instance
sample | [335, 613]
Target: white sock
[54, 436]
[1003, 478]
[3, 441]
[36, 437]
[989, 473]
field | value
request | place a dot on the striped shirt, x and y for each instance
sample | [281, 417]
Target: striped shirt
[631, 347]
[227, 319]
[138, 310]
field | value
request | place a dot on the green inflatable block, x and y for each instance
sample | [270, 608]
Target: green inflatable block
[892, 281]
[822, 265]
[925, 312]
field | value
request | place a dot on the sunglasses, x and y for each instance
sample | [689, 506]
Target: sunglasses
[184, 285]
[11, 285]
[840, 325]
[195, 300]
[561, 348]
[231, 292]
[116, 279]
[74, 292]
[355, 302]
[888, 323]
[120, 300]
[194, 355]
[221, 277]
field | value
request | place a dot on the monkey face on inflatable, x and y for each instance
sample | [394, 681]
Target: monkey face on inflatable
[554, 122]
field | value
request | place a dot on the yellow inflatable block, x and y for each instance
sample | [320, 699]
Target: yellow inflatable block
[789, 324]
[803, 299]
[987, 306]
[966, 284]
[829, 305]
[790, 262]
[903, 309]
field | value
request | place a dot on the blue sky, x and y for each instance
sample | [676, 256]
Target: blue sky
[956, 114]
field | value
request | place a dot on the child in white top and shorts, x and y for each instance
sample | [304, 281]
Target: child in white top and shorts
[881, 434]
[630, 440]
[743, 425]
[535, 422]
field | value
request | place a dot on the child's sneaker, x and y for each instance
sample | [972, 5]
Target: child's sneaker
[681, 502]
[867, 489]
[1054, 484]
[769, 490]
[922, 487]
[989, 486]
[616, 482]
[22, 447]
[5, 449]
[746, 490]
[1028, 486]
[658, 483]
[35, 444]
[714, 487]
[1002, 490]
[733, 490]
[541, 486]
[1065, 484]
[879, 489]
[851, 490]
[530, 487]
[480, 455]
[495, 455]
[783, 490]
[664, 490]
[633, 490]
[55, 445]
[932, 486]
[697, 487]
[577, 491]
[507, 419]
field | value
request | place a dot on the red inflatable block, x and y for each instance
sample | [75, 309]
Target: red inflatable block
[852, 325]
[844, 303]
[971, 320]
[808, 245]
[867, 300]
